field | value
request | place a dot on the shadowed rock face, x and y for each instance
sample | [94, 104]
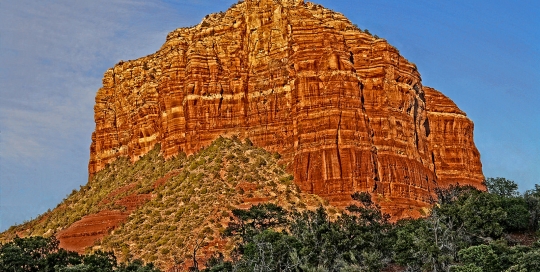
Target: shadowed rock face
[345, 109]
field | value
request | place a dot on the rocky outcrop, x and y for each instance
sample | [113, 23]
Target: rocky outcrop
[85, 232]
[345, 109]
[450, 136]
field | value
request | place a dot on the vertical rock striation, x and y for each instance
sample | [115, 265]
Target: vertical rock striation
[345, 109]
[450, 136]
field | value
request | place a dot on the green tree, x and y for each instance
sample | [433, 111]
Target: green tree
[466, 268]
[137, 266]
[502, 187]
[518, 216]
[496, 256]
[217, 263]
[465, 231]
[429, 244]
[515, 206]
[270, 251]
[41, 254]
[34, 254]
[528, 262]
[360, 239]
[100, 261]
[258, 218]
[462, 216]
[367, 233]
[320, 239]
[532, 198]
[479, 214]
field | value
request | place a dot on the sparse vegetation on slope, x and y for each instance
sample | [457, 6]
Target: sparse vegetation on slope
[177, 204]
[194, 206]
[117, 180]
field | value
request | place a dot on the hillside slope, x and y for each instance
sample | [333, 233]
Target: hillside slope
[157, 209]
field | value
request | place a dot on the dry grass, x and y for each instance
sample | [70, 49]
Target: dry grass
[195, 204]
[192, 199]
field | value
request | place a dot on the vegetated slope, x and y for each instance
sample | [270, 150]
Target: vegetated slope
[102, 193]
[194, 205]
[159, 210]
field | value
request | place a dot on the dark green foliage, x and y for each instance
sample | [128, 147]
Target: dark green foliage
[496, 256]
[467, 268]
[137, 266]
[461, 228]
[39, 254]
[466, 231]
[319, 237]
[270, 251]
[485, 214]
[479, 213]
[518, 211]
[217, 263]
[532, 198]
[248, 223]
[517, 214]
[529, 262]
[502, 187]
[34, 254]
[309, 240]
[100, 261]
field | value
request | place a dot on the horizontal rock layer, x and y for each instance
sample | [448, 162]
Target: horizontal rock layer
[345, 109]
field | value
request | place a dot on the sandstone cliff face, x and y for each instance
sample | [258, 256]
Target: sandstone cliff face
[451, 143]
[346, 110]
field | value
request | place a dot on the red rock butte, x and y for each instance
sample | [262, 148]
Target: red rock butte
[347, 112]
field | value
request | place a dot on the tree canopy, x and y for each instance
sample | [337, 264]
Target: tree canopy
[40, 254]
[466, 230]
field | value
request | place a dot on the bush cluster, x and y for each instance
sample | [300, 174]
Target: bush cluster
[42, 254]
[466, 230]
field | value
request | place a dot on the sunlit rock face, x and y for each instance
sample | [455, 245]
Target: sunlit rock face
[451, 142]
[347, 112]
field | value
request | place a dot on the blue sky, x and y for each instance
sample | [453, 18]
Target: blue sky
[485, 55]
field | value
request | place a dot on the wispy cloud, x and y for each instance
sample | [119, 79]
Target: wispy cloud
[52, 57]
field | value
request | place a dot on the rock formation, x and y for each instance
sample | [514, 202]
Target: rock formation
[345, 109]
[451, 143]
